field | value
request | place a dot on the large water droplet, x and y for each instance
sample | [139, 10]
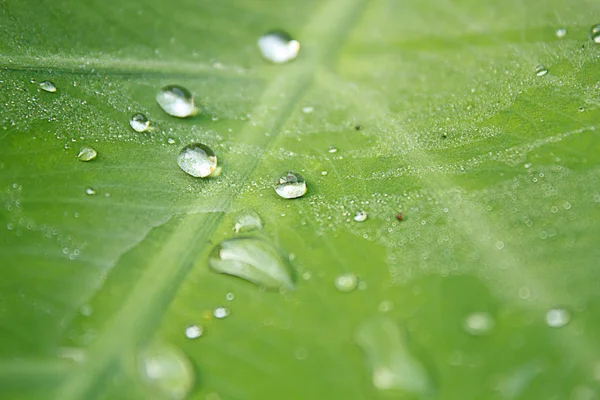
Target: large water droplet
[290, 185]
[478, 323]
[194, 331]
[346, 283]
[221, 312]
[392, 364]
[246, 221]
[176, 100]
[561, 33]
[253, 259]
[87, 154]
[278, 46]
[540, 70]
[167, 370]
[557, 317]
[360, 216]
[595, 33]
[197, 160]
[48, 86]
[139, 122]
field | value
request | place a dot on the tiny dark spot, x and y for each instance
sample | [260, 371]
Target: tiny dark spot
[357, 127]
[444, 136]
[400, 217]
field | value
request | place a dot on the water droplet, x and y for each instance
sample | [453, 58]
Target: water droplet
[229, 296]
[392, 363]
[595, 33]
[278, 46]
[197, 160]
[139, 122]
[478, 323]
[167, 370]
[246, 221]
[332, 149]
[171, 140]
[290, 185]
[253, 259]
[87, 154]
[360, 216]
[177, 101]
[561, 33]
[194, 331]
[540, 70]
[307, 110]
[90, 191]
[385, 306]
[48, 86]
[324, 173]
[221, 312]
[346, 283]
[557, 317]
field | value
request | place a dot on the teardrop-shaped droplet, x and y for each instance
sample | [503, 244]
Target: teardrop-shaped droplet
[278, 46]
[290, 185]
[197, 160]
[48, 86]
[346, 283]
[595, 33]
[392, 363]
[139, 122]
[246, 221]
[167, 370]
[87, 154]
[253, 259]
[176, 100]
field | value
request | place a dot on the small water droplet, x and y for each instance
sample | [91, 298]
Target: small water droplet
[540, 70]
[595, 33]
[478, 323]
[176, 101]
[278, 46]
[307, 110]
[290, 185]
[229, 296]
[167, 370]
[90, 191]
[171, 140]
[324, 173]
[246, 221]
[557, 317]
[360, 216]
[194, 331]
[385, 306]
[346, 283]
[139, 122]
[253, 259]
[221, 312]
[581, 108]
[48, 86]
[197, 160]
[561, 33]
[391, 360]
[87, 154]
[332, 149]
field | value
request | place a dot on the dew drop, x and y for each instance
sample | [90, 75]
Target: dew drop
[540, 70]
[307, 109]
[253, 259]
[360, 216]
[90, 191]
[557, 317]
[167, 370]
[139, 122]
[290, 185]
[278, 46]
[194, 331]
[332, 149]
[478, 323]
[171, 140]
[346, 283]
[229, 296]
[246, 221]
[197, 160]
[221, 312]
[87, 154]
[561, 33]
[48, 86]
[176, 101]
[595, 33]
[390, 358]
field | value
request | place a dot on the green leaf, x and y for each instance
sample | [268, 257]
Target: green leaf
[436, 112]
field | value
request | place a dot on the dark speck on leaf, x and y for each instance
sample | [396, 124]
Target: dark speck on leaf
[400, 217]
[444, 136]
[357, 127]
